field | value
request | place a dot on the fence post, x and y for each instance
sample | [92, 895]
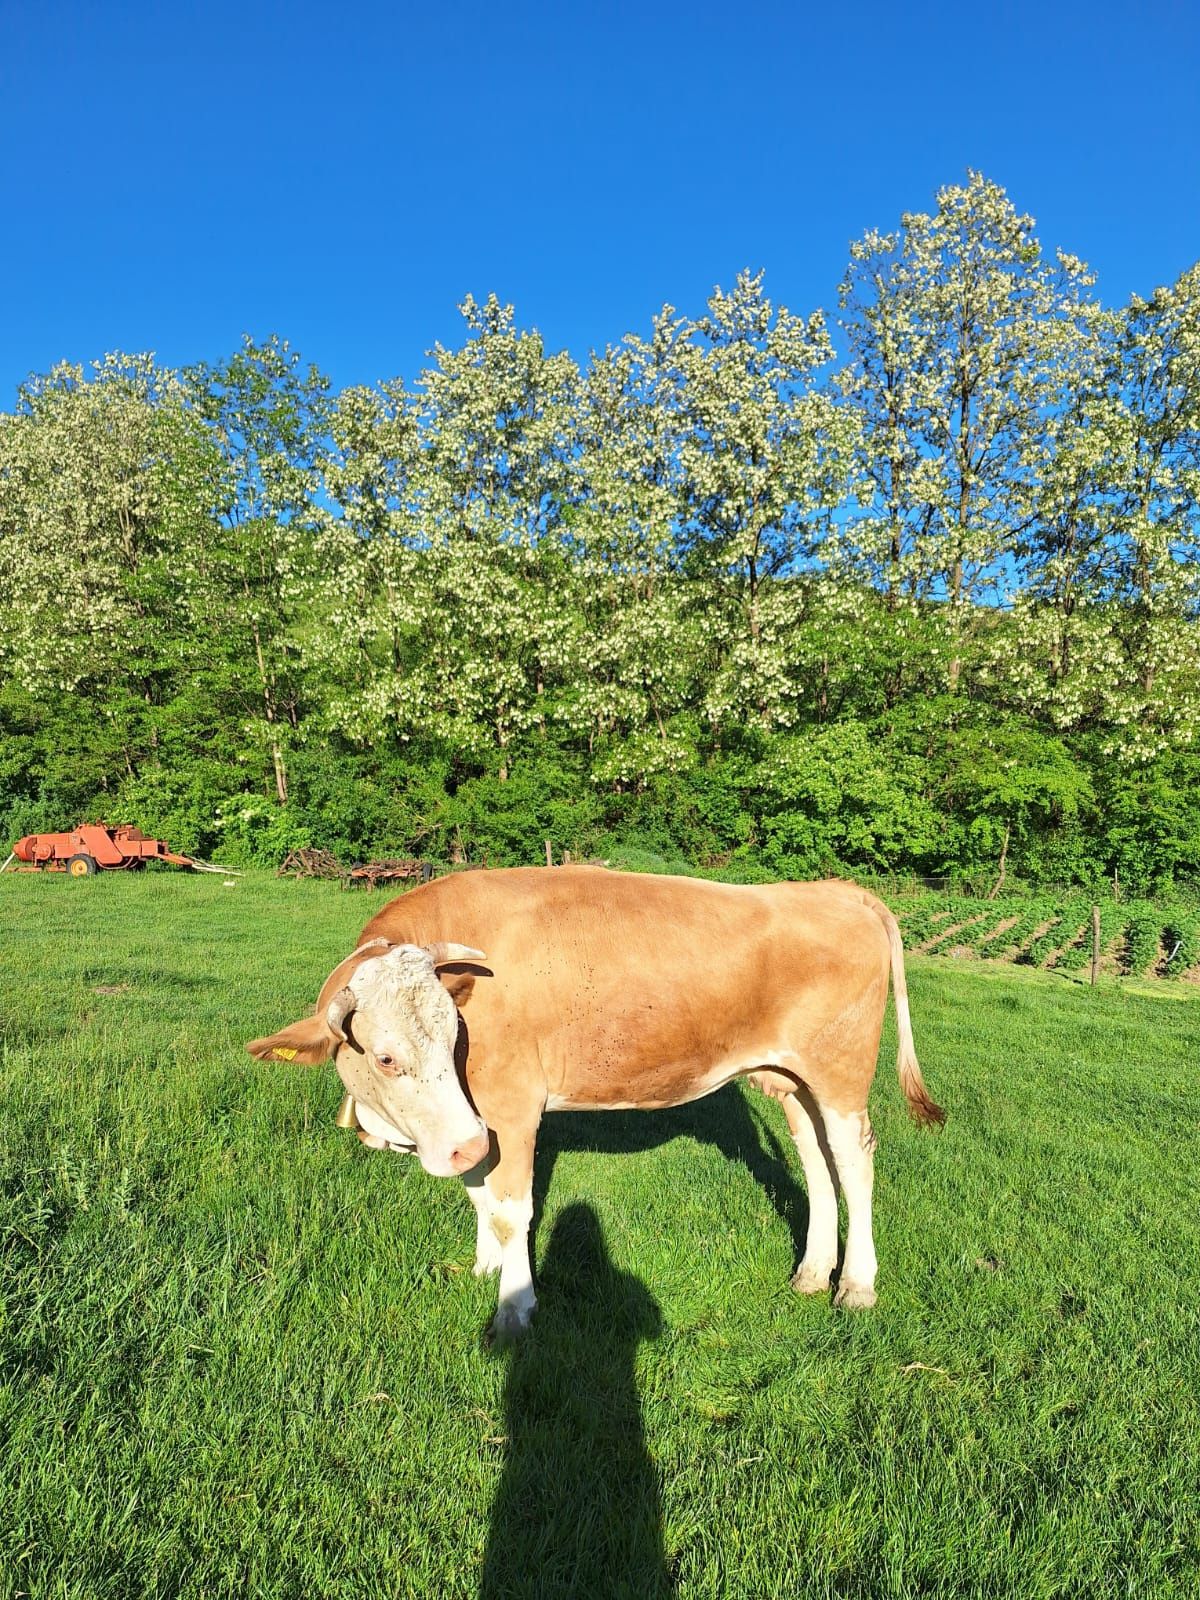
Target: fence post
[1095, 944]
[549, 854]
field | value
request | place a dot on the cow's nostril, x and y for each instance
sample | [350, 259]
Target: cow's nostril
[470, 1154]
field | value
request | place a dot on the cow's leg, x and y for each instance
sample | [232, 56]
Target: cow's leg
[487, 1246]
[852, 1141]
[820, 1179]
[509, 1186]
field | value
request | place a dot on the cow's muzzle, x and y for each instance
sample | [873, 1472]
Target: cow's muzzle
[470, 1154]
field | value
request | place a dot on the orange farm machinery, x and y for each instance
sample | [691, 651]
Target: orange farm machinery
[95, 847]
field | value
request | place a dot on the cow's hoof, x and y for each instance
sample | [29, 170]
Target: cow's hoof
[509, 1323]
[854, 1296]
[811, 1280]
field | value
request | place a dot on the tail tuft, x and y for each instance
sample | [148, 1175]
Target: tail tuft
[923, 1107]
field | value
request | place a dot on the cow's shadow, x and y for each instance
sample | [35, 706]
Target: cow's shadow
[579, 1509]
[723, 1119]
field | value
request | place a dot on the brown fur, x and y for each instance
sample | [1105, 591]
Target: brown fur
[604, 987]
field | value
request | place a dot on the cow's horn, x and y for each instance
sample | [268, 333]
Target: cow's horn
[442, 952]
[338, 1009]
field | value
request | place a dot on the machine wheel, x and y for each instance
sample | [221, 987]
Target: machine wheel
[81, 866]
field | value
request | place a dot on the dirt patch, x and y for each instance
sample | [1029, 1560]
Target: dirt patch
[960, 952]
[1192, 975]
[1111, 962]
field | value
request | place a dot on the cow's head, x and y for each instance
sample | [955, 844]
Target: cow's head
[392, 1028]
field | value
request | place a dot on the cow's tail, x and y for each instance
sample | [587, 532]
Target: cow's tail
[921, 1103]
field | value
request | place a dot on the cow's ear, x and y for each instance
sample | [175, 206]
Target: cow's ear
[306, 1043]
[458, 985]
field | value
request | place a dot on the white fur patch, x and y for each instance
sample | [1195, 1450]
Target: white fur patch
[404, 980]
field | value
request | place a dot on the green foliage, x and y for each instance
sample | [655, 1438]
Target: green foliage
[1066, 927]
[837, 801]
[1039, 948]
[970, 921]
[1014, 938]
[252, 831]
[705, 597]
[1142, 930]
[1181, 941]
[505, 824]
[1078, 954]
[1151, 820]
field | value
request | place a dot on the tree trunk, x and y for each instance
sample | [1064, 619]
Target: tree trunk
[999, 883]
[281, 782]
[960, 532]
[277, 761]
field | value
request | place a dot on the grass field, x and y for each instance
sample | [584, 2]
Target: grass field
[241, 1356]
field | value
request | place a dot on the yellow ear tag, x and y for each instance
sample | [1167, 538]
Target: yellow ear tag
[283, 1052]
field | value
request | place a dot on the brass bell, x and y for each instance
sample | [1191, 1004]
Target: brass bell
[347, 1117]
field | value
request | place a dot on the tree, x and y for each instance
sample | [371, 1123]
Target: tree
[444, 575]
[367, 585]
[267, 416]
[104, 478]
[763, 456]
[1156, 579]
[497, 429]
[959, 335]
[641, 646]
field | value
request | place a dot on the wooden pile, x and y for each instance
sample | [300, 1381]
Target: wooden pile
[309, 864]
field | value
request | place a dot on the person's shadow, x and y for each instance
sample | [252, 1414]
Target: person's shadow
[578, 1512]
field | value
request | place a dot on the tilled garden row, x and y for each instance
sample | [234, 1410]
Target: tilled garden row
[1138, 938]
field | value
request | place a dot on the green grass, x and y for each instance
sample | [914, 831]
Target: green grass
[241, 1356]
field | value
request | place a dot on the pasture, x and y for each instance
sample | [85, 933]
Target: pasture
[240, 1355]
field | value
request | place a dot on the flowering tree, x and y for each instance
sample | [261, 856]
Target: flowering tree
[1156, 492]
[764, 458]
[959, 332]
[443, 574]
[104, 479]
[266, 415]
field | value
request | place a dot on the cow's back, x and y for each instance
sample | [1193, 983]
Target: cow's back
[636, 989]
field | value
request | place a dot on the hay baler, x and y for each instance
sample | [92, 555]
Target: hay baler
[94, 847]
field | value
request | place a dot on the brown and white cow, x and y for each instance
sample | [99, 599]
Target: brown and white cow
[608, 991]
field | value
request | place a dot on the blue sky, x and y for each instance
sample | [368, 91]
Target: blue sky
[173, 174]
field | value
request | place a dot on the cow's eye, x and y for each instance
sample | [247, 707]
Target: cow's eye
[385, 1061]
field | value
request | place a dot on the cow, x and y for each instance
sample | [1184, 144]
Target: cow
[584, 989]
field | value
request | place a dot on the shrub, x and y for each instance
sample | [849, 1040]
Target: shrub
[836, 800]
[1142, 930]
[1181, 936]
[254, 831]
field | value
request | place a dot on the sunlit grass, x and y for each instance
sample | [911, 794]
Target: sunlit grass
[242, 1356]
